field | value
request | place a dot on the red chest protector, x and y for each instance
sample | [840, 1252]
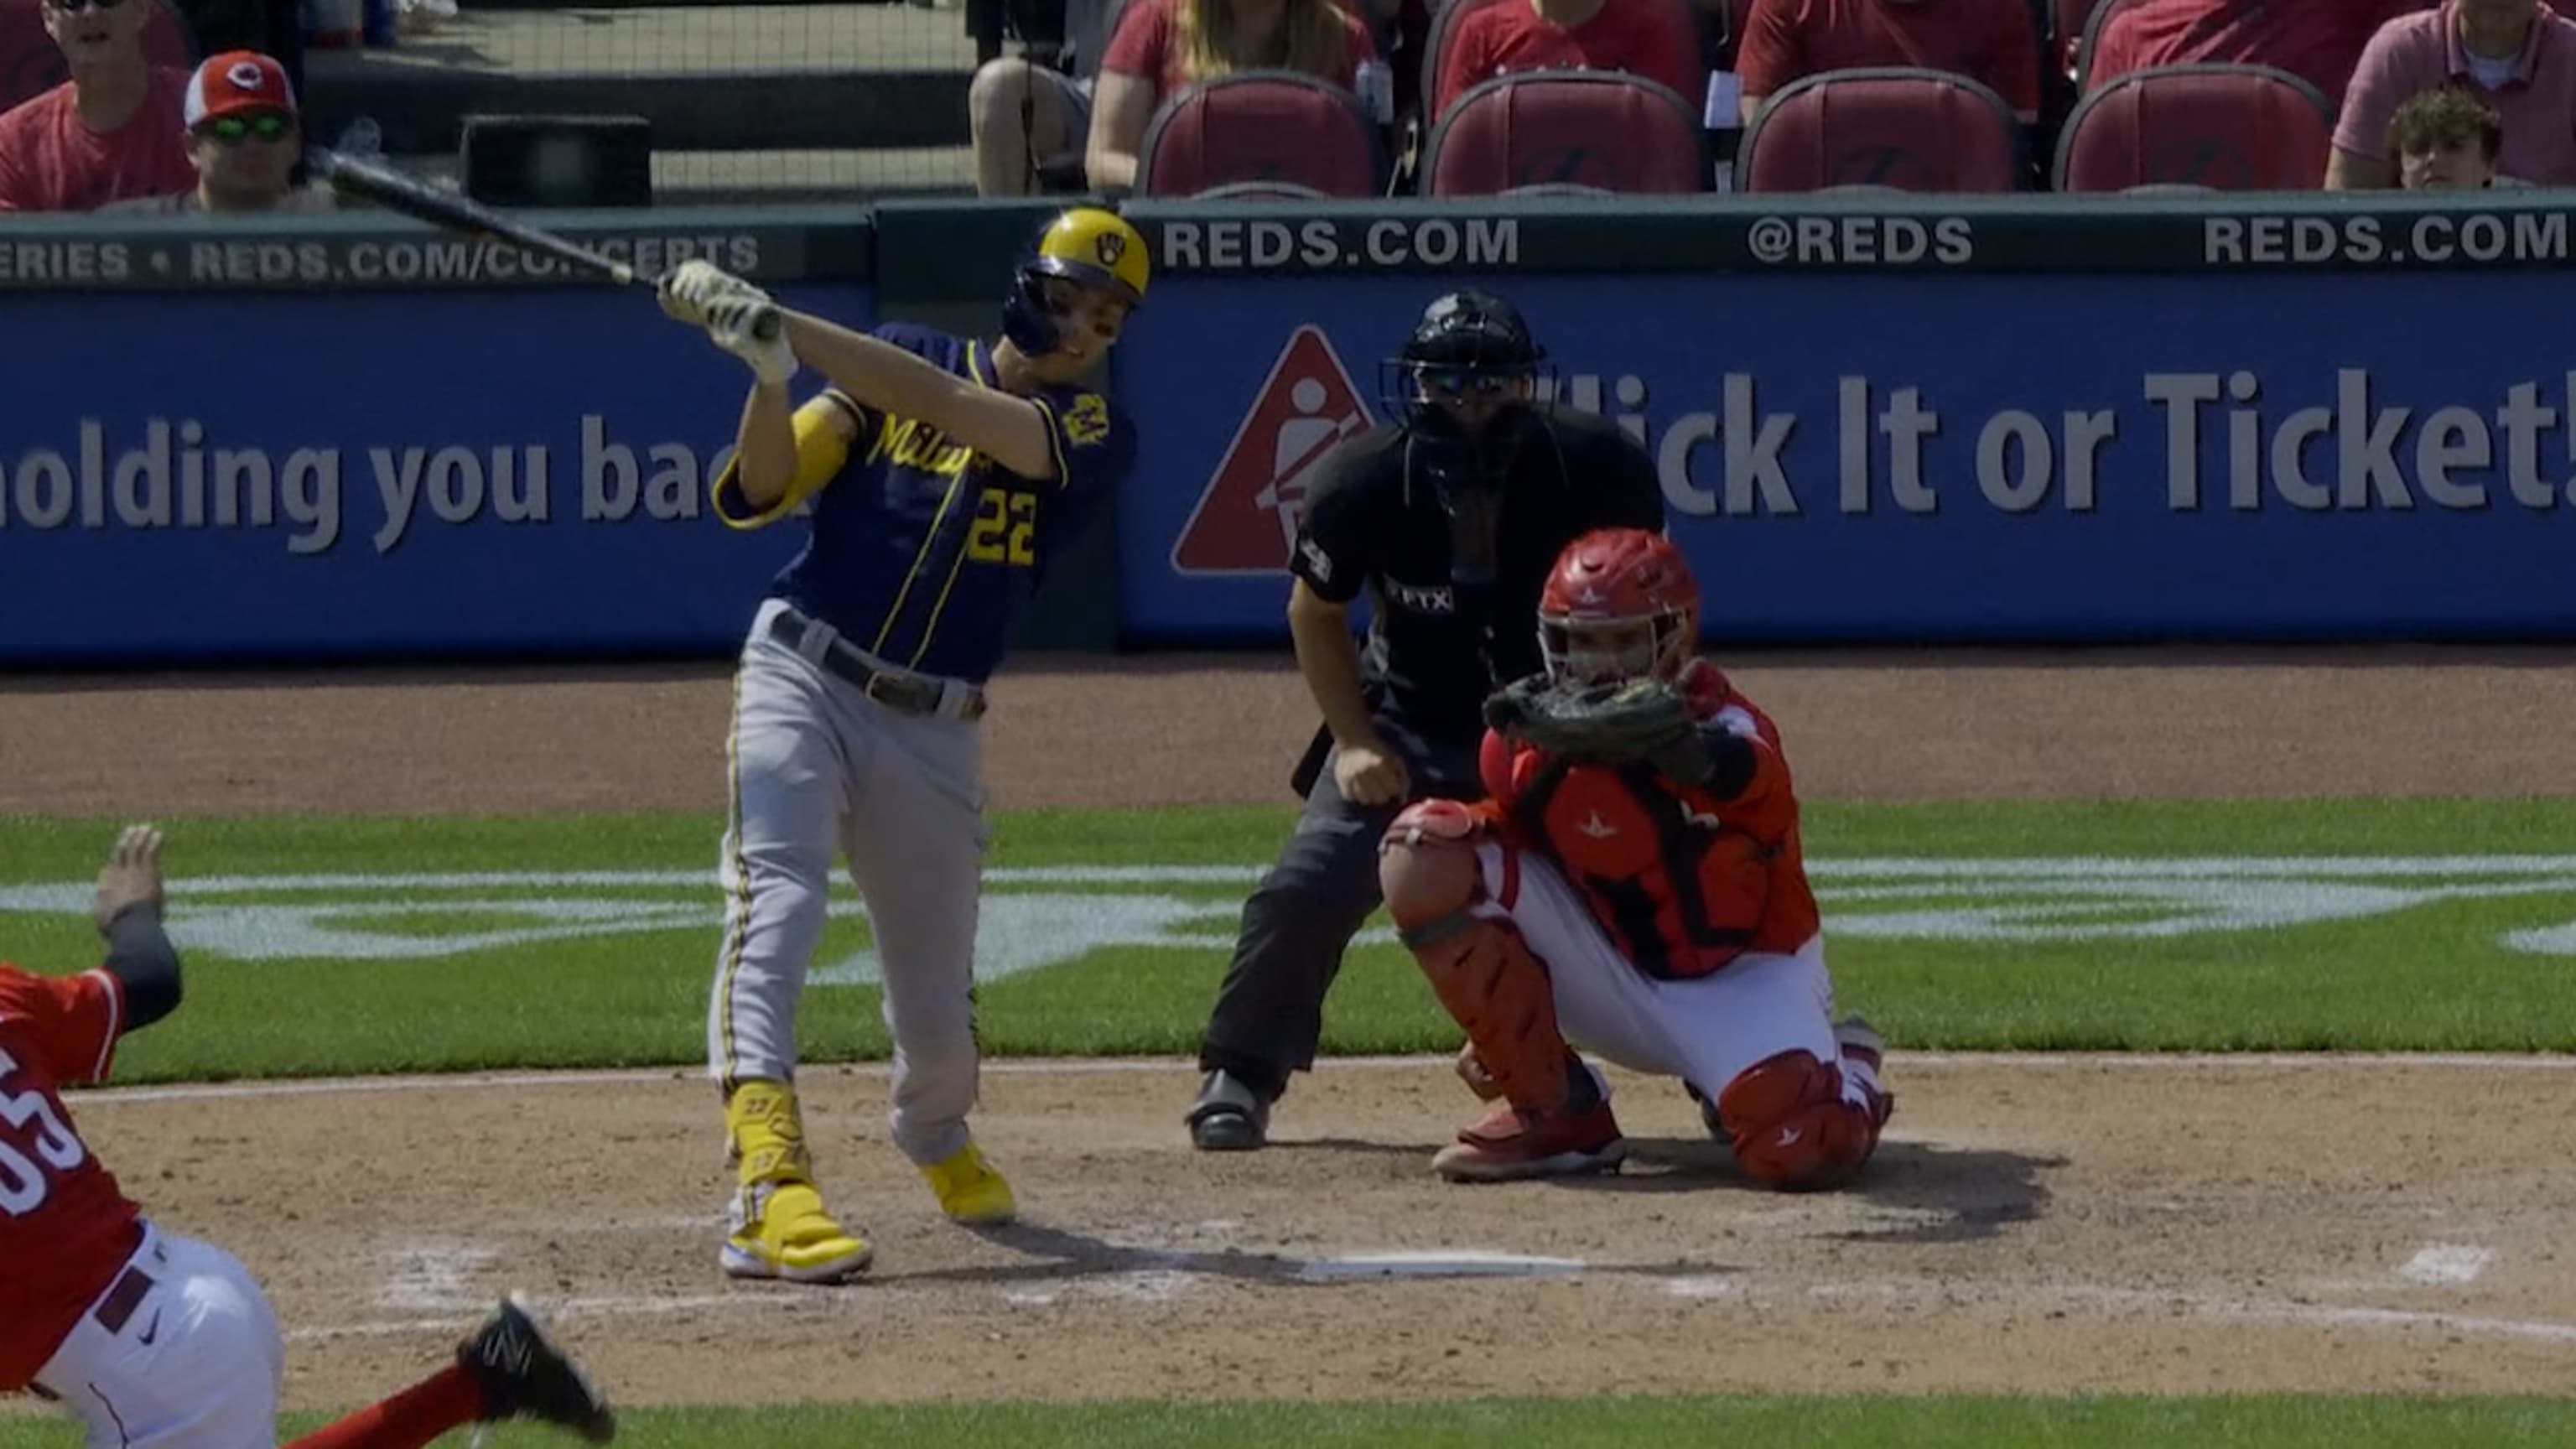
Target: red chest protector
[1683, 882]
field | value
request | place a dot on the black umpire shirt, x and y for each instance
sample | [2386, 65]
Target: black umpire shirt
[1437, 648]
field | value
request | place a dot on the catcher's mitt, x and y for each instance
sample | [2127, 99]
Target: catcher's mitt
[1632, 721]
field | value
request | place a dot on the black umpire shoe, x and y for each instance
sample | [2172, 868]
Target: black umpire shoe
[1228, 1116]
[523, 1375]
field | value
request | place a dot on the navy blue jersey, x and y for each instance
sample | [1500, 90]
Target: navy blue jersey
[922, 549]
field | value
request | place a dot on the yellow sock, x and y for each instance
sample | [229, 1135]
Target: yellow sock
[768, 1133]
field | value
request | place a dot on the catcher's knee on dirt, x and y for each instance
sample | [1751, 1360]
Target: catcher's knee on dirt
[1478, 965]
[1792, 1126]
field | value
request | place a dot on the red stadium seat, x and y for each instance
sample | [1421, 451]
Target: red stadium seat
[2227, 127]
[1581, 127]
[1899, 127]
[1260, 191]
[1270, 126]
[31, 64]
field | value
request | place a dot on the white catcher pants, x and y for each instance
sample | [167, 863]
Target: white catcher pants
[815, 765]
[195, 1363]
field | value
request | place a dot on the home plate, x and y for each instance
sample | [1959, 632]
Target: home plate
[1460, 1264]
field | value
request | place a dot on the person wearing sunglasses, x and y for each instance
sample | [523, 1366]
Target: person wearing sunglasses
[110, 132]
[1449, 518]
[244, 138]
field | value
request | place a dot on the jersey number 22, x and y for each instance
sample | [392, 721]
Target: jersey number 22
[23, 1181]
[1005, 528]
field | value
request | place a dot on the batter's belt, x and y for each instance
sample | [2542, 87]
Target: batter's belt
[897, 689]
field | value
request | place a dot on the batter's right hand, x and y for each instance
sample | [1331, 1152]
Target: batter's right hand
[1371, 774]
[132, 876]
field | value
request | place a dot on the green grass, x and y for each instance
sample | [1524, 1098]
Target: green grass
[2431, 976]
[2270, 1422]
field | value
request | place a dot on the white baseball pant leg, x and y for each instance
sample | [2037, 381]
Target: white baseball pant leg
[196, 1363]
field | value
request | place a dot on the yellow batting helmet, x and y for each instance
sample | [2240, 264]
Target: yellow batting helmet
[1089, 244]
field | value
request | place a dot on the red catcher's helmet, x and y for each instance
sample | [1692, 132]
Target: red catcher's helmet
[1620, 604]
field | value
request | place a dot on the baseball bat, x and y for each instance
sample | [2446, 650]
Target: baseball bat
[451, 212]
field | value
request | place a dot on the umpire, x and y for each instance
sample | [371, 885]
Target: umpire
[1449, 518]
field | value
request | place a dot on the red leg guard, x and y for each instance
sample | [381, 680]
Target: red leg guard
[1479, 967]
[411, 1419]
[1791, 1126]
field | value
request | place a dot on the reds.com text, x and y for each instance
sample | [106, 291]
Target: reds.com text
[1221, 246]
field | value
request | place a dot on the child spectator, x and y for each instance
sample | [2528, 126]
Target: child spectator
[244, 135]
[2446, 139]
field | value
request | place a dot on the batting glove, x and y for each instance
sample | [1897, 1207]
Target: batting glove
[736, 323]
[689, 290]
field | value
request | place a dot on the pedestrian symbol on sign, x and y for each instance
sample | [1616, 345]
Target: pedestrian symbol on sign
[1246, 519]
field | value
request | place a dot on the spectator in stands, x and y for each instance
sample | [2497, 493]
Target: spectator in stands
[1162, 47]
[2446, 139]
[1650, 38]
[2518, 56]
[1026, 118]
[244, 136]
[110, 132]
[1993, 41]
[2318, 41]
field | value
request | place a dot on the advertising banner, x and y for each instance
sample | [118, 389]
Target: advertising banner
[372, 474]
[1858, 457]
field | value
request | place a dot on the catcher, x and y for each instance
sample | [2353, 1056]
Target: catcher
[1635, 884]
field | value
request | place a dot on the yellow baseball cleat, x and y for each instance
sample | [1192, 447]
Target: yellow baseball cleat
[970, 1191]
[781, 1230]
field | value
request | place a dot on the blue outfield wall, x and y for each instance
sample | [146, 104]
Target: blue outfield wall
[2014, 420]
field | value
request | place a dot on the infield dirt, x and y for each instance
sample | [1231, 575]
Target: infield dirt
[2031, 1224]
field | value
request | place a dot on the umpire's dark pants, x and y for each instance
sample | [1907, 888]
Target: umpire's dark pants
[1270, 1011]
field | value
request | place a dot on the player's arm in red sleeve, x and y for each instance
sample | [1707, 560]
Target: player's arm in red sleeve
[73, 1022]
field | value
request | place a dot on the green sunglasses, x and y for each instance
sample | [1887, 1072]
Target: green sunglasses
[233, 130]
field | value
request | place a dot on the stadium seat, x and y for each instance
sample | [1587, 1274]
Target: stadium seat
[1893, 126]
[31, 64]
[1266, 126]
[2227, 127]
[1581, 127]
[1559, 188]
[1260, 191]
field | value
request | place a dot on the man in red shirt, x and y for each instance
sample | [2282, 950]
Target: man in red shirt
[111, 132]
[1993, 41]
[2316, 40]
[1654, 39]
[158, 1341]
[1656, 911]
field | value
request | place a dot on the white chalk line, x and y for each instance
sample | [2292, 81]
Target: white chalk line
[1159, 1286]
[1898, 1060]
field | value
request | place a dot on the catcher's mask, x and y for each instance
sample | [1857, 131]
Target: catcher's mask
[1463, 387]
[1089, 246]
[1620, 604]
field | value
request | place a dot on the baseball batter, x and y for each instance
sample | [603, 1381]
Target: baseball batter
[1651, 906]
[944, 476]
[158, 1341]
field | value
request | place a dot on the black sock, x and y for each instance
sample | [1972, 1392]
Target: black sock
[1582, 1094]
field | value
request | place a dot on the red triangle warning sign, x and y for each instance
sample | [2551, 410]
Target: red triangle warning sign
[1246, 520]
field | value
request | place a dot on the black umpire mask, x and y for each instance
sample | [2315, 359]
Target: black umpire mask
[1465, 377]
